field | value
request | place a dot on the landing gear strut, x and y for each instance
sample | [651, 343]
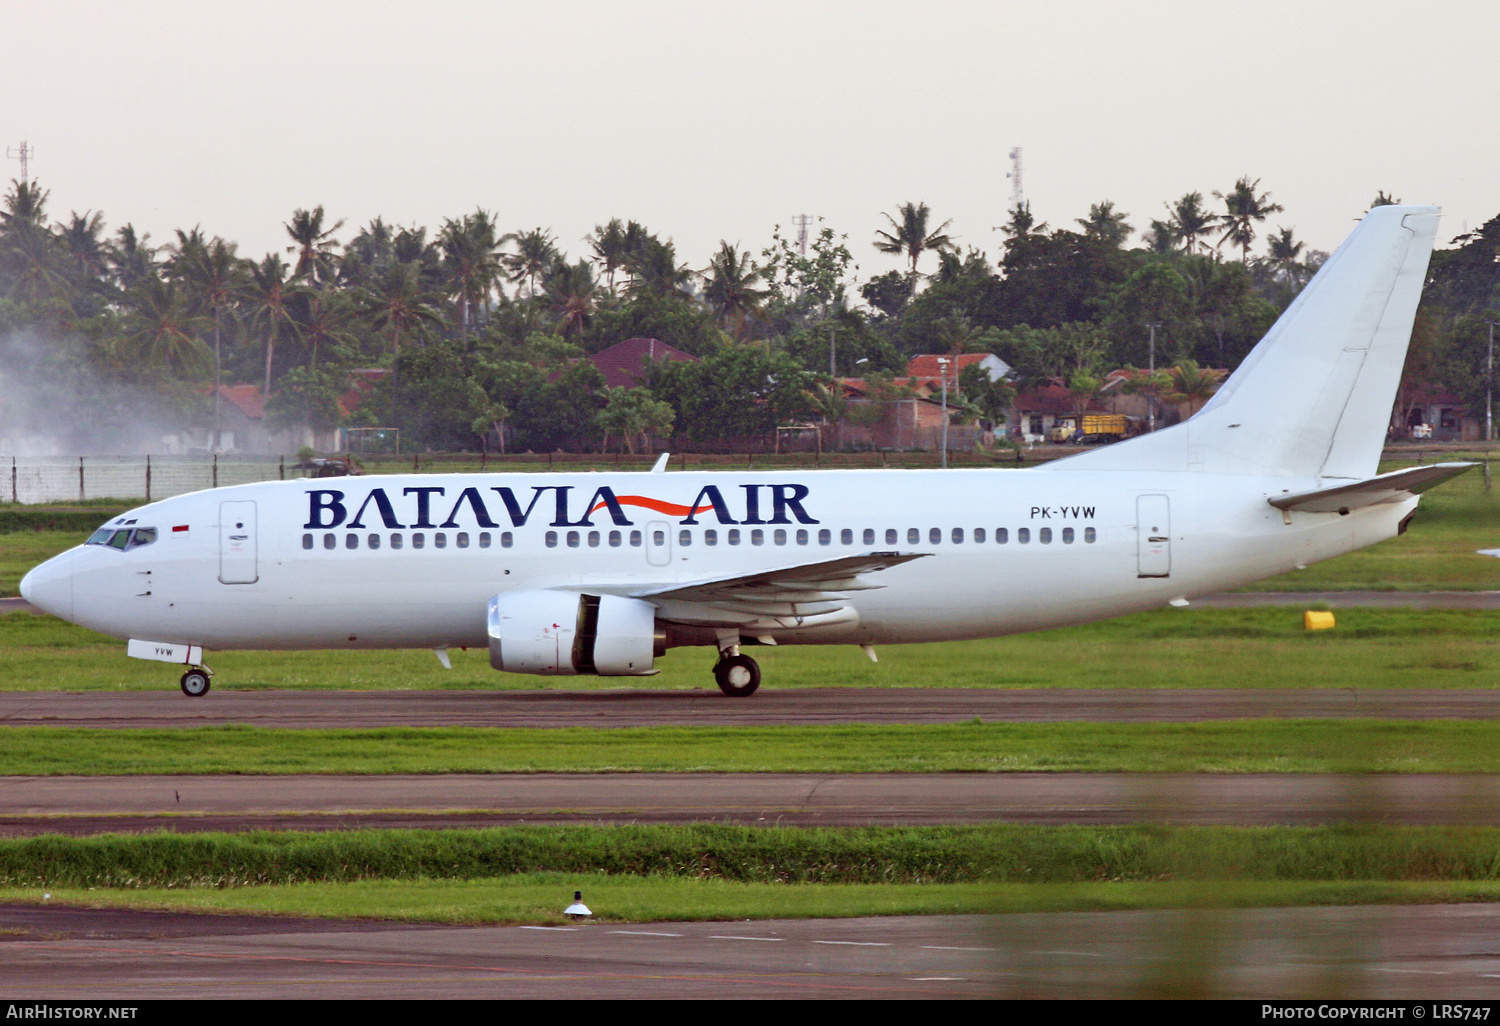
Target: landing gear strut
[737, 675]
[195, 683]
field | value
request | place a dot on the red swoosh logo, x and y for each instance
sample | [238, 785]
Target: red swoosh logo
[669, 508]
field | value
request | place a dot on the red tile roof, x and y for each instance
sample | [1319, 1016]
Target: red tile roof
[624, 363]
[926, 365]
[246, 398]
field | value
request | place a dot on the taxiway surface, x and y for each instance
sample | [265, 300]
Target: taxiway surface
[1424, 951]
[90, 805]
[352, 710]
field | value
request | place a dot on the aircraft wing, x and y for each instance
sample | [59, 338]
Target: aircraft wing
[1396, 486]
[800, 595]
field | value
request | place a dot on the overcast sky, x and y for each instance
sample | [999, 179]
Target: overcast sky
[708, 121]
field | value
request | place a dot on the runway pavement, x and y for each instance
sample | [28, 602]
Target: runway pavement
[90, 805]
[1443, 952]
[770, 706]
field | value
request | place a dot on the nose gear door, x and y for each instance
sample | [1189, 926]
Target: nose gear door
[237, 543]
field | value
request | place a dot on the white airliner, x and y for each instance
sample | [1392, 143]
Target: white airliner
[601, 573]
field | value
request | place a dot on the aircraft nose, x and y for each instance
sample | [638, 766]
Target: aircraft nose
[49, 587]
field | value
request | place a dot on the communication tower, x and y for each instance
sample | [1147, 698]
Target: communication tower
[23, 153]
[802, 221]
[1017, 195]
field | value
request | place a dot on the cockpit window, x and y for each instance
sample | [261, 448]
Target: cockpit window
[123, 538]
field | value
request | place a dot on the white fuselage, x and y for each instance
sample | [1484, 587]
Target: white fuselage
[1010, 551]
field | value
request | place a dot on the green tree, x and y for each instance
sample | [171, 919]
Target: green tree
[910, 237]
[471, 264]
[536, 252]
[401, 304]
[1105, 225]
[570, 292]
[1243, 210]
[1190, 221]
[729, 288]
[269, 299]
[635, 415]
[317, 252]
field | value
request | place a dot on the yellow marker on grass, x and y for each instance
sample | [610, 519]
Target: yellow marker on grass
[1315, 621]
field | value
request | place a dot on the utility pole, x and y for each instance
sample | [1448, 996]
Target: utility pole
[1151, 369]
[832, 369]
[1489, 387]
[1017, 195]
[943, 370]
[23, 153]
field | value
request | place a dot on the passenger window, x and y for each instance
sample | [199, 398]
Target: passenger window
[1023, 535]
[373, 541]
[461, 539]
[658, 538]
[635, 539]
[710, 537]
[684, 537]
[1067, 536]
[734, 536]
[507, 540]
[1044, 536]
[958, 536]
[484, 539]
[418, 539]
[1001, 536]
[440, 540]
[779, 536]
[307, 541]
[593, 539]
[913, 536]
[934, 535]
[757, 537]
[869, 536]
[846, 537]
[979, 534]
[890, 536]
[825, 536]
[351, 541]
[573, 539]
[1088, 535]
[330, 542]
[615, 538]
[396, 541]
[801, 536]
[551, 539]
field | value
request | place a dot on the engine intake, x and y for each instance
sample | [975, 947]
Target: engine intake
[564, 633]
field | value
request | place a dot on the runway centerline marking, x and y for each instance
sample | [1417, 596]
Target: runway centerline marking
[645, 933]
[941, 947]
[554, 929]
[857, 944]
[727, 937]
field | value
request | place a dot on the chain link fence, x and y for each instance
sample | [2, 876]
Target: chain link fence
[40, 479]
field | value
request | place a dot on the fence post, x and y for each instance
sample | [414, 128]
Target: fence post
[216, 470]
[148, 477]
[281, 469]
[15, 495]
[1486, 476]
[414, 467]
[80, 479]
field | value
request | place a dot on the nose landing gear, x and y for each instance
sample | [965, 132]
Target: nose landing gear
[196, 682]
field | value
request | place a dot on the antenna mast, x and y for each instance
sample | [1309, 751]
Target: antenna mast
[802, 221]
[1017, 194]
[23, 153]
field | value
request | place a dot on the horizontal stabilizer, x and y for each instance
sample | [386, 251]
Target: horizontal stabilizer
[1397, 486]
[801, 583]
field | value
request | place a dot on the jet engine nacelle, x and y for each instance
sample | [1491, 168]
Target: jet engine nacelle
[563, 633]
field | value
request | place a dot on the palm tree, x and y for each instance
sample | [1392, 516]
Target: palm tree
[401, 303]
[654, 268]
[269, 294]
[215, 277]
[471, 263]
[611, 246]
[325, 318]
[163, 331]
[570, 290]
[317, 256]
[536, 252]
[1190, 221]
[729, 287]
[911, 237]
[131, 261]
[1242, 209]
[1284, 253]
[80, 237]
[30, 255]
[1105, 225]
[1192, 385]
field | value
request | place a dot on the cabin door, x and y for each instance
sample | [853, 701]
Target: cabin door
[1153, 526]
[658, 543]
[237, 543]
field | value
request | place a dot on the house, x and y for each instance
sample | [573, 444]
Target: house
[927, 366]
[624, 363]
[1038, 410]
[1432, 413]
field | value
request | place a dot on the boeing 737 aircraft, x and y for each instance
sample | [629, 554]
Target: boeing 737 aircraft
[591, 573]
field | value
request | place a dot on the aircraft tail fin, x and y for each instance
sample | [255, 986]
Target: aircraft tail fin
[1314, 397]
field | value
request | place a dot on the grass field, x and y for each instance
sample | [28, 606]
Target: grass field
[642, 874]
[1169, 648]
[1229, 746]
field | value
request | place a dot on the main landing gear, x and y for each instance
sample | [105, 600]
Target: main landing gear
[737, 675]
[196, 682]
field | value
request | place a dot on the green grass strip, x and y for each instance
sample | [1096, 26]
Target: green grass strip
[993, 853]
[537, 898]
[1229, 746]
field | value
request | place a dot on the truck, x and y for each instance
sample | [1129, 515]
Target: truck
[1105, 427]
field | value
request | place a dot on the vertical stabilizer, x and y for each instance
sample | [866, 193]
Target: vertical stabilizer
[1314, 397]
